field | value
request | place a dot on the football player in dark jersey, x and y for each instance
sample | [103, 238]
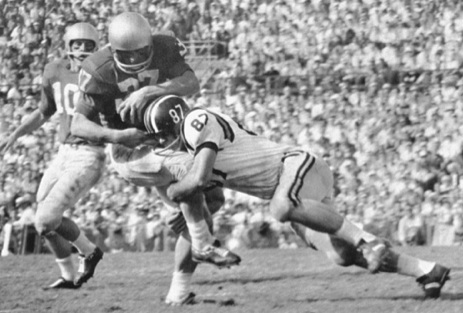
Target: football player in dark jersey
[75, 169]
[116, 82]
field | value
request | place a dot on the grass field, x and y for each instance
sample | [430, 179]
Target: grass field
[299, 280]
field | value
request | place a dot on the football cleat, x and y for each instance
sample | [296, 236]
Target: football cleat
[87, 266]
[375, 252]
[62, 283]
[188, 299]
[218, 256]
[433, 282]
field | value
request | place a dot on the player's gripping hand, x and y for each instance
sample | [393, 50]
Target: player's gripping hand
[131, 109]
[132, 137]
[176, 222]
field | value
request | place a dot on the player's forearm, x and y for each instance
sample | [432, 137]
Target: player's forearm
[184, 85]
[196, 179]
[31, 123]
[84, 128]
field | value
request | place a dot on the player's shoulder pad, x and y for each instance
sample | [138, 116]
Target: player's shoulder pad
[196, 113]
[100, 65]
[165, 32]
[163, 38]
[167, 47]
[54, 67]
[200, 127]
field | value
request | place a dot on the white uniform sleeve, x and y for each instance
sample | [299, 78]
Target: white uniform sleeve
[202, 129]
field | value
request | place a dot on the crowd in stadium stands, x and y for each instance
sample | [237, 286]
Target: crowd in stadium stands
[373, 86]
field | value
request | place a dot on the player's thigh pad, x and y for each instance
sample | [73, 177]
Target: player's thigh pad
[73, 173]
[303, 177]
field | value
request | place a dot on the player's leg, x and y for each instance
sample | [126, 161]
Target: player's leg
[430, 275]
[7, 230]
[71, 176]
[179, 292]
[203, 248]
[60, 247]
[184, 267]
[196, 216]
[62, 250]
[303, 182]
[336, 249]
[345, 254]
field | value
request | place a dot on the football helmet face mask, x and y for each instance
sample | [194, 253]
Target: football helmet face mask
[164, 116]
[86, 34]
[129, 35]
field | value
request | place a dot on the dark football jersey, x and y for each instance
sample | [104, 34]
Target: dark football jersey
[104, 86]
[60, 93]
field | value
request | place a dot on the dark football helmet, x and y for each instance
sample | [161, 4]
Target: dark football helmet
[129, 35]
[164, 115]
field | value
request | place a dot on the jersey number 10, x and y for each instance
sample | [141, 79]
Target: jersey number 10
[65, 98]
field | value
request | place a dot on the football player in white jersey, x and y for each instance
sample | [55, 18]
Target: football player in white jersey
[75, 169]
[298, 185]
[114, 81]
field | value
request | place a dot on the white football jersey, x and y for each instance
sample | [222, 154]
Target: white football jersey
[245, 161]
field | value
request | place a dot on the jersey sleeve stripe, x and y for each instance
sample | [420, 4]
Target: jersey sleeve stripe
[208, 144]
[227, 130]
[219, 173]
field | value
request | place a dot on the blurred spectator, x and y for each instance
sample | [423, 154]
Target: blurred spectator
[458, 223]
[375, 90]
[411, 228]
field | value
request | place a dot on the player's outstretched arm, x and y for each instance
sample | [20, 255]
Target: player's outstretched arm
[32, 122]
[85, 128]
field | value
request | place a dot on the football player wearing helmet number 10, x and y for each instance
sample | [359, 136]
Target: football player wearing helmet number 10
[118, 81]
[75, 169]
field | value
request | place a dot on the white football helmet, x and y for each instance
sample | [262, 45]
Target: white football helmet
[80, 31]
[129, 35]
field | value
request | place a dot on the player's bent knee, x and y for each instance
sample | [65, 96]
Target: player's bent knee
[45, 224]
[195, 200]
[280, 209]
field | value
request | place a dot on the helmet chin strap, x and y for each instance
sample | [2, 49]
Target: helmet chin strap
[75, 57]
[169, 146]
